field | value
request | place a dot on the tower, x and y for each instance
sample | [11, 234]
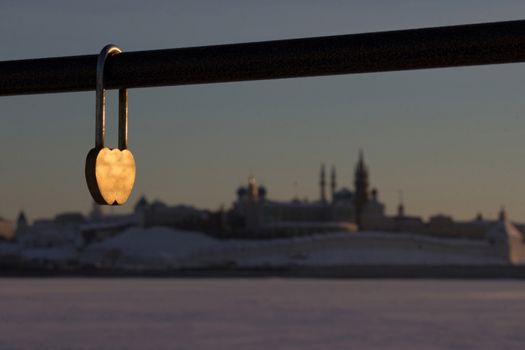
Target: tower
[21, 221]
[253, 193]
[375, 194]
[333, 183]
[502, 214]
[400, 210]
[361, 190]
[322, 184]
[401, 206]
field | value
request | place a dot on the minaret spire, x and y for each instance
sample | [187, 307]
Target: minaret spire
[333, 182]
[322, 184]
[361, 189]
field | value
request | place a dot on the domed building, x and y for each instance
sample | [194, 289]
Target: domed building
[342, 210]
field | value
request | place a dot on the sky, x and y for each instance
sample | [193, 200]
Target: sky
[450, 139]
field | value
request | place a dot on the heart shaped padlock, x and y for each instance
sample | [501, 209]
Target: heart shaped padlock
[110, 173]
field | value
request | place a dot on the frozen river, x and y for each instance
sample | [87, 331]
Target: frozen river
[261, 314]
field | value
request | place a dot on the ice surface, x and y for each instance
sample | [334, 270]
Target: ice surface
[257, 314]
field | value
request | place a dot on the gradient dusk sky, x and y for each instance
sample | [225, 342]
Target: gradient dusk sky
[453, 140]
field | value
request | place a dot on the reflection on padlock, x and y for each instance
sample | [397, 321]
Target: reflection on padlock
[110, 173]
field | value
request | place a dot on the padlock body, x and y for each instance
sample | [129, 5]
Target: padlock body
[110, 175]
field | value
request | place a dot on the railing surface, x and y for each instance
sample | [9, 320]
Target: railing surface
[463, 45]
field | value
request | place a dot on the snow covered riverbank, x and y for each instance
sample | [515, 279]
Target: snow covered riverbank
[158, 247]
[161, 248]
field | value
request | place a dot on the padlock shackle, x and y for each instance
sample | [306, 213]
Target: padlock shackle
[100, 117]
[123, 119]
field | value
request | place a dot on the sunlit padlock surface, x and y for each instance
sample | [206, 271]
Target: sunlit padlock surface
[115, 172]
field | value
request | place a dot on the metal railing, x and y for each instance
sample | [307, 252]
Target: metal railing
[452, 46]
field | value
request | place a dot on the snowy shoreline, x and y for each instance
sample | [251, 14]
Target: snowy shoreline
[162, 251]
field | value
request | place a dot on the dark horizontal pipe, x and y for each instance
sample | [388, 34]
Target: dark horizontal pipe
[463, 45]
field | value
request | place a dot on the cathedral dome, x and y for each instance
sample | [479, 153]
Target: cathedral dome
[262, 191]
[241, 191]
[343, 195]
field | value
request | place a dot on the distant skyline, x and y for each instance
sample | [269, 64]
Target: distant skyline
[450, 139]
